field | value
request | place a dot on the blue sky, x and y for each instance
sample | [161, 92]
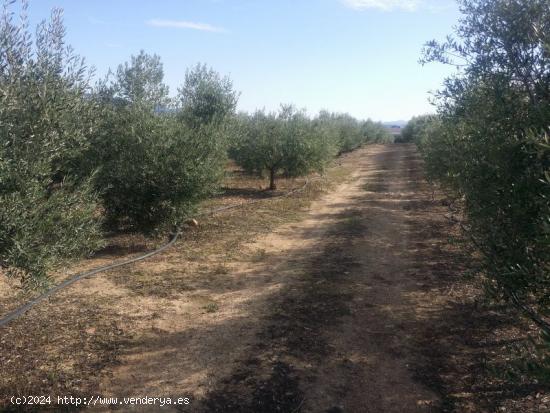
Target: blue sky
[356, 56]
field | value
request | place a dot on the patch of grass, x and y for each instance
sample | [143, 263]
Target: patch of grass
[211, 307]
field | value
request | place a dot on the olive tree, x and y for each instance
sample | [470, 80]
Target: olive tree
[375, 132]
[206, 96]
[343, 129]
[415, 128]
[152, 166]
[140, 81]
[47, 213]
[286, 142]
[490, 146]
[154, 170]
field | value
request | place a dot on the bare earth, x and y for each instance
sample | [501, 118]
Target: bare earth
[326, 320]
[356, 305]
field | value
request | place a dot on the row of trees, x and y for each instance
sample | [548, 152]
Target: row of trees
[77, 160]
[489, 142]
[291, 144]
[418, 128]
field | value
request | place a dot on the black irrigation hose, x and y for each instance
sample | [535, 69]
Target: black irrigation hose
[18, 312]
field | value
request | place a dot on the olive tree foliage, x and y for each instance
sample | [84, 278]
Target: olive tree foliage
[489, 144]
[154, 170]
[375, 132]
[308, 147]
[291, 144]
[344, 130]
[47, 215]
[206, 97]
[286, 143]
[153, 167]
[416, 128]
[348, 134]
[140, 81]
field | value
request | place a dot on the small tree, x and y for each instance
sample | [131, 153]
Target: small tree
[206, 97]
[307, 147]
[46, 215]
[152, 167]
[154, 170]
[342, 129]
[286, 142]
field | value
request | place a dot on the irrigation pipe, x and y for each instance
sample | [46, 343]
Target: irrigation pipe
[18, 312]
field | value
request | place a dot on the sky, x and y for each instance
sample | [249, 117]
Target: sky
[355, 56]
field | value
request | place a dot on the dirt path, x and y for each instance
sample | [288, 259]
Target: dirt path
[330, 318]
[340, 333]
